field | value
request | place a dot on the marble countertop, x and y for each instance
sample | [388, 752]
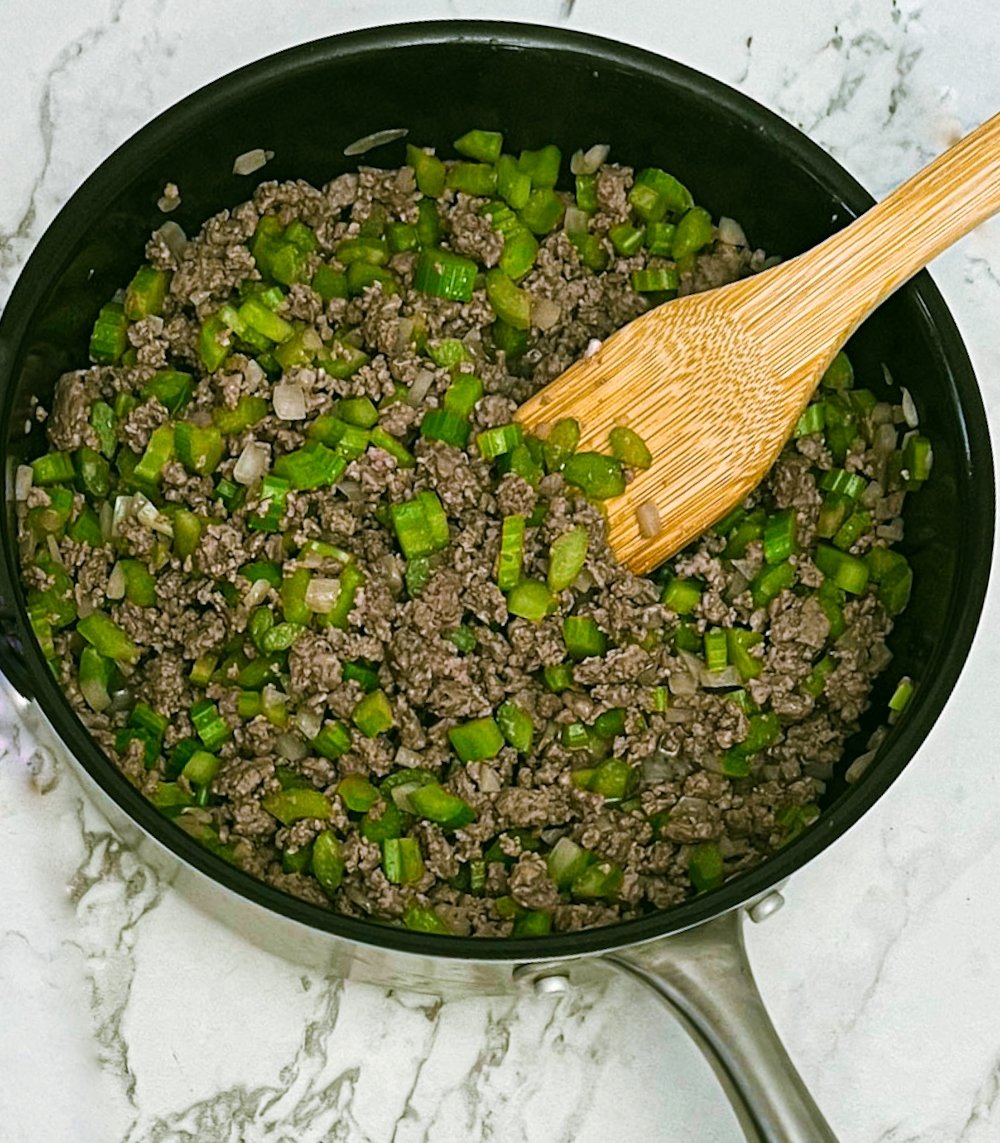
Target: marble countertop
[127, 1013]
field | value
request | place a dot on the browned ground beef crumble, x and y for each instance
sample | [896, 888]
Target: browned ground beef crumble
[432, 685]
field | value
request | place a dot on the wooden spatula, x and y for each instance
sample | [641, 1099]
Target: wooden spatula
[715, 382]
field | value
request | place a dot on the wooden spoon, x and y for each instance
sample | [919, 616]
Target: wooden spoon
[715, 382]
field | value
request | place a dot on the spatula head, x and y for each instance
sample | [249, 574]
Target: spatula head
[695, 378]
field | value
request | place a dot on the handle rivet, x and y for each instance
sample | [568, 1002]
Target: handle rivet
[545, 982]
[765, 907]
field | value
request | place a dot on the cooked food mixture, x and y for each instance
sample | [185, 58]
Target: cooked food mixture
[318, 597]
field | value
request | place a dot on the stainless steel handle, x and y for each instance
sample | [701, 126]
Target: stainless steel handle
[704, 976]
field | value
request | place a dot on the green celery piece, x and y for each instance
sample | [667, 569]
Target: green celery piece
[510, 303]
[108, 638]
[516, 726]
[93, 472]
[290, 806]
[109, 338]
[511, 552]
[445, 274]
[694, 231]
[478, 740]
[199, 447]
[373, 714]
[328, 865]
[483, 146]
[531, 599]
[567, 557]
[601, 477]
[429, 170]
[146, 293]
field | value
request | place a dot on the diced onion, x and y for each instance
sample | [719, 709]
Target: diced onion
[106, 517]
[289, 401]
[885, 440]
[151, 517]
[252, 463]
[321, 594]
[53, 545]
[290, 746]
[682, 682]
[731, 233]
[170, 199]
[407, 758]
[253, 373]
[376, 139]
[587, 162]
[310, 722]
[545, 312]
[648, 517]
[420, 388]
[173, 237]
[716, 680]
[575, 220]
[893, 531]
[592, 347]
[909, 410]
[677, 714]
[116, 583]
[23, 480]
[351, 489]
[122, 510]
[251, 161]
[256, 593]
[859, 765]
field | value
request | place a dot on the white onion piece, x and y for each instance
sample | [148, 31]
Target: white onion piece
[420, 388]
[407, 758]
[893, 531]
[252, 372]
[859, 765]
[731, 233]
[151, 517]
[53, 545]
[592, 347]
[321, 594]
[587, 162]
[656, 769]
[289, 401]
[116, 583]
[677, 714]
[885, 440]
[251, 161]
[252, 463]
[648, 517]
[681, 683]
[290, 746]
[351, 489]
[575, 220]
[173, 237]
[309, 722]
[170, 199]
[376, 139]
[107, 516]
[24, 477]
[909, 409]
[715, 680]
[256, 593]
[122, 510]
[545, 312]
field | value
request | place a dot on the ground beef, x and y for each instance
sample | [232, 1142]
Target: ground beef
[427, 643]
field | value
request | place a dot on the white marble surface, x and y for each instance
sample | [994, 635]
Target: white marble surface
[128, 1014]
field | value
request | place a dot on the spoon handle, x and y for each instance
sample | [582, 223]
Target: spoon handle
[834, 286]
